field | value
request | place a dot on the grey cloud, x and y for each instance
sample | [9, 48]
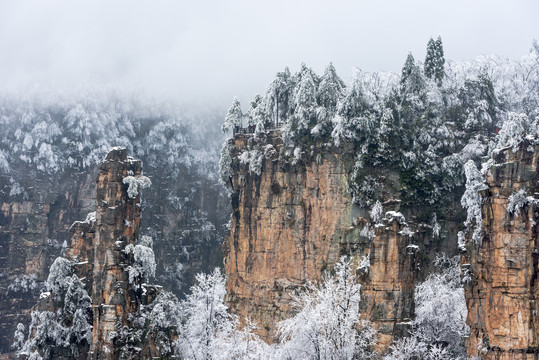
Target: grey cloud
[214, 50]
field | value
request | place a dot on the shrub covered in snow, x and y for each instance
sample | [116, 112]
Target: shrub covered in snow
[59, 276]
[518, 201]
[439, 329]
[327, 324]
[135, 183]
[225, 163]
[143, 265]
[471, 200]
[25, 283]
[70, 328]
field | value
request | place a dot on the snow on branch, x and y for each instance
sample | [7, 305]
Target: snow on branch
[143, 264]
[518, 201]
[134, 184]
[471, 200]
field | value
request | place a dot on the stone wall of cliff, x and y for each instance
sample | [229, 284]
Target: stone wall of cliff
[292, 222]
[33, 232]
[501, 269]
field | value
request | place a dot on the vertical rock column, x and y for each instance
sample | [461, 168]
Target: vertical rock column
[502, 269]
[117, 224]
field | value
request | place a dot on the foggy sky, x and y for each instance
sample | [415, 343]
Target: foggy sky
[214, 50]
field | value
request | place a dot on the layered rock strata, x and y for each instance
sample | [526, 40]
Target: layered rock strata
[97, 250]
[100, 252]
[501, 269]
[291, 223]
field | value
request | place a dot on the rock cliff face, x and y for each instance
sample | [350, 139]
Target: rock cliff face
[293, 222]
[502, 269]
[32, 235]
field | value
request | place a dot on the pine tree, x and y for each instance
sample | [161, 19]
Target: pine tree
[430, 59]
[330, 89]
[279, 97]
[440, 61]
[256, 115]
[233, 119]
[305, 97]
[435, 61]
[412, 82]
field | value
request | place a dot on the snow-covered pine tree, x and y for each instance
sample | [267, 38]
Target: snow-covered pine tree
[330, 89]
[279, 97]
[142, 263]
[305, 98]
[479, 104]
[352, 119]
[435, 61]
[439, 71]
[412, 81]
[329, 93]
[234, 117]
[256, 115]
[429, 66]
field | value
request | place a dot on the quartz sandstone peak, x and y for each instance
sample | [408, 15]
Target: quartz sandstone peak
[97, 250]
[501, 269]
[291, 223]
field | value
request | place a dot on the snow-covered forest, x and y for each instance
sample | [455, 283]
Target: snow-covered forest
[436, 124]
[425, 123]
[52, 139]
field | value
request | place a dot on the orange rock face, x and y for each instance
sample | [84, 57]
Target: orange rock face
[503, 292]
[97, 249]
[292, 223]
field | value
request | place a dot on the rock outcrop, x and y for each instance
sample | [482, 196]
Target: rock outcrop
[100, 254]
[291, 223]
[501, 269]
[98, 245]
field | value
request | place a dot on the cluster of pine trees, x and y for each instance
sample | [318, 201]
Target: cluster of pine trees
[424, 124]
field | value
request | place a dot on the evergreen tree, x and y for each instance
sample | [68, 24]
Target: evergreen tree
[257, 116]
[305, 97]
[279, 97]
[435, 61]
[430, 59]
[440, 62]
[233, 119]
[330, 89]
[352, 117]
[479, 103]
[412, 82]
[353, 103]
